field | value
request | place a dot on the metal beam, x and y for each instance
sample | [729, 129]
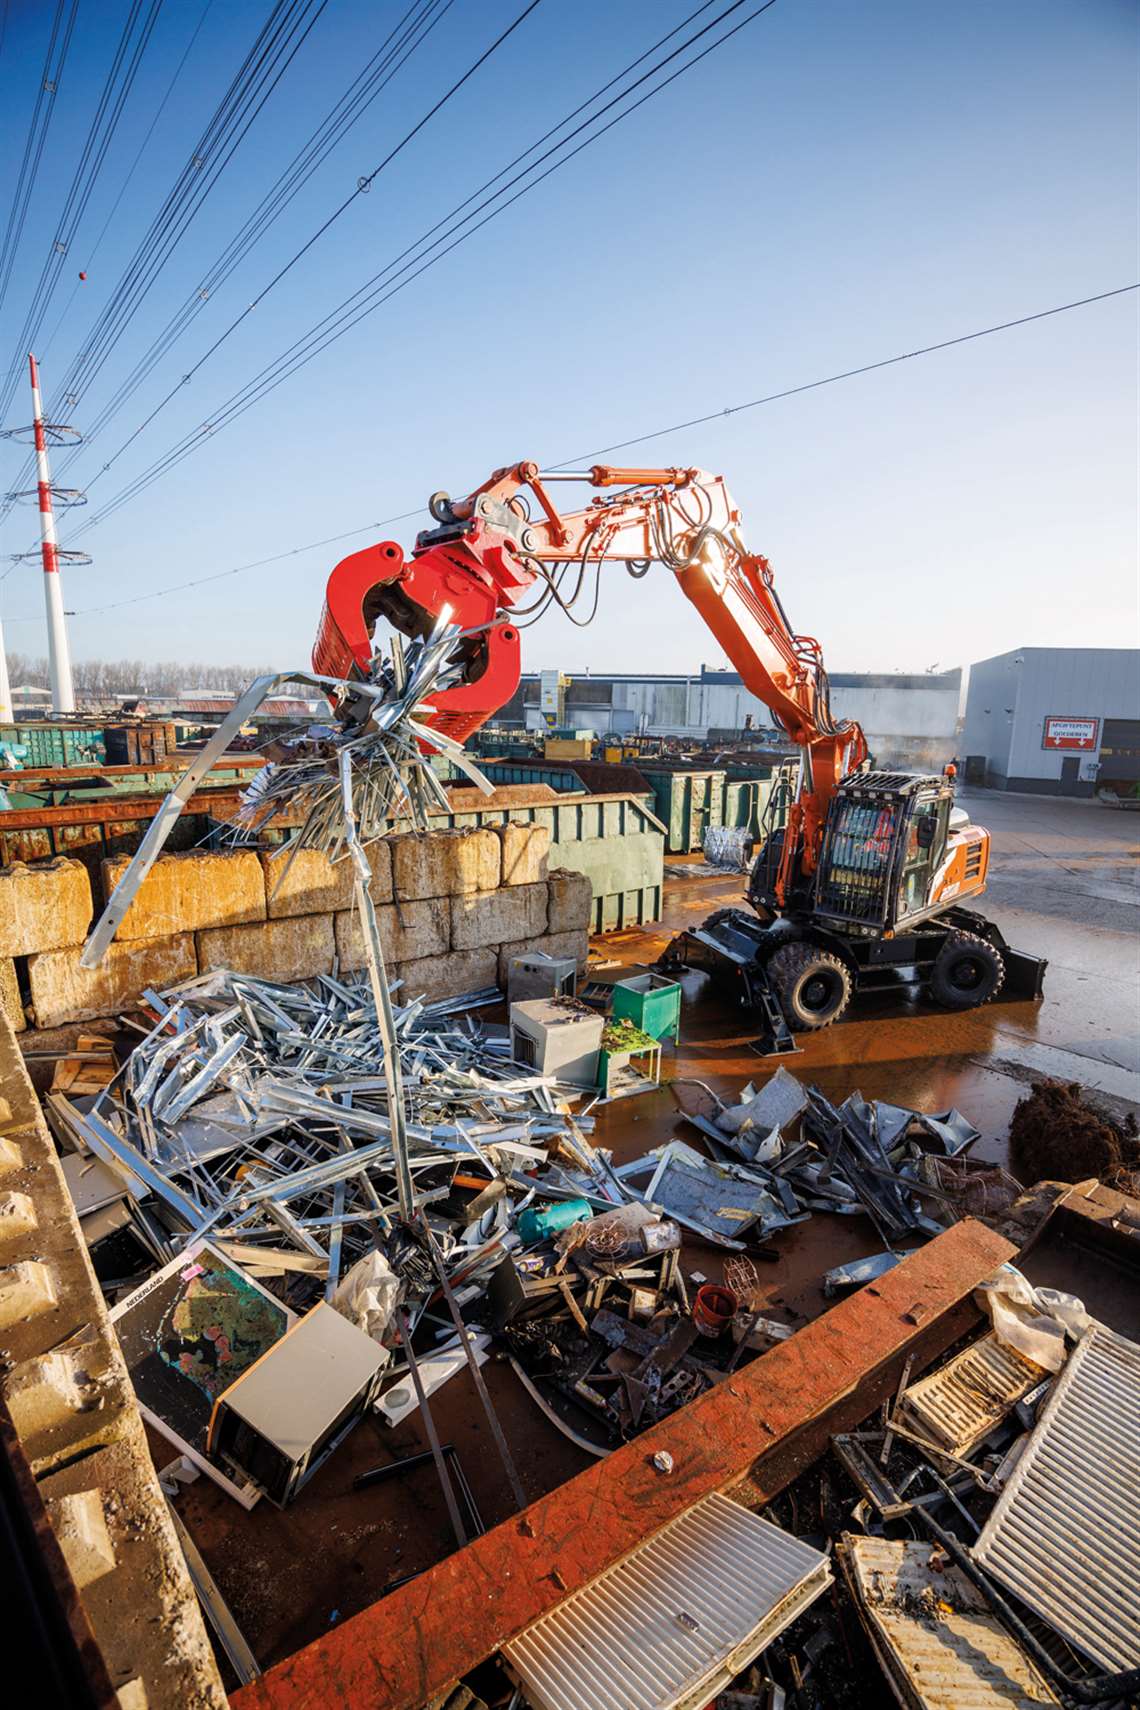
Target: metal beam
[109, 811]
[761, 1426]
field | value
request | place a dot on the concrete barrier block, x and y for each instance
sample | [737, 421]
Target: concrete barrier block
[63, 991]
[450, 976]
[478, 861]
[11, 1157]
[576, 944]
[25, 1289]
[43, 907]
[525, 852]
[10, 998]
[571, 902]
[408, 932]
[297, 948]
[55, 1391]
[445, 863]
[81, 1529]
[183, 893]
[380, 860]
[507, 915]
[17, 1216]
[421, 865]
[305, 883]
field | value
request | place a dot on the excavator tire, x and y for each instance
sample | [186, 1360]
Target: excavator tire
[967, 972]
[814, 987]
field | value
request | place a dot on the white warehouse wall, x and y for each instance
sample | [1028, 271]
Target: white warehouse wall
[910, 721]
[1012, 694]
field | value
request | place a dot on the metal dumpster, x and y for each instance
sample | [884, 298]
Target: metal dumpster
[687, 801]
[51, 744]
[561, 778]
[616, 840]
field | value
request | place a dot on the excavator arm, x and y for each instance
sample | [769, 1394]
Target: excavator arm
[491, 552]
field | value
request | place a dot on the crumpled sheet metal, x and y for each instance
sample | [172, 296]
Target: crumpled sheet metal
[289, 1143]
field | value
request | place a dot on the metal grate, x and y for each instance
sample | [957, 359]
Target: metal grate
[937, 1642]
[1064, 1535]
[856, 868]
[958, 1405]
[671, 1625]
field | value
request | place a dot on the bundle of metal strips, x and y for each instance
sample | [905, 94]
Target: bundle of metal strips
[379, 728]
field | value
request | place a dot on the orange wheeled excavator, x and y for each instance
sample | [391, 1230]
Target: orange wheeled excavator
[862, 887]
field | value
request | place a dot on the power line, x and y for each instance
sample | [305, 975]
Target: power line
[279, 41]
[351, 311]
[850, 373]
[37, 137]
[641, 439]
[363, 185]
[256, 564]
[116, 91]
[265, 63]
[134, 166]
[401, 42]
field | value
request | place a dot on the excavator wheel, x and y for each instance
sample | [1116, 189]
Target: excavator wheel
[967, 972]
[814, 987]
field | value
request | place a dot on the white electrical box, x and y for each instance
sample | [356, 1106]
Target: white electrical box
[537, 975]
[282, 1418]
[558, 1036]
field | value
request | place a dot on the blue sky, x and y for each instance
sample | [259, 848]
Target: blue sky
[838, 184]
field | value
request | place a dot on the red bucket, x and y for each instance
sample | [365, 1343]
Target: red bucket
[714, 1308]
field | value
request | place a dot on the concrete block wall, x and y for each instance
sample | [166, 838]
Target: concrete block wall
[73, 1409]
[452, 907]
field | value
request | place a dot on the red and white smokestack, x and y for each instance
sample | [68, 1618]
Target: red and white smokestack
[59, 656]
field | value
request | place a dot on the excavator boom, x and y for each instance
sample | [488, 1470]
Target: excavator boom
[508, 539]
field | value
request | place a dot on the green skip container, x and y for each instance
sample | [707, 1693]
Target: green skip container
[651, 1002]
[687, 801]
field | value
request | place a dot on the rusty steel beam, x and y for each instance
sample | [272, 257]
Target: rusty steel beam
[776, 1412]
[111, 811]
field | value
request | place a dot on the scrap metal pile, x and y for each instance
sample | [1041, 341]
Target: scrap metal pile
[340, 785]
[989, 1555]
[803, 1154]
[259, 1114]
[259, 1117]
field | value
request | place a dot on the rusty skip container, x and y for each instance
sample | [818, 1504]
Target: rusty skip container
[139, 744]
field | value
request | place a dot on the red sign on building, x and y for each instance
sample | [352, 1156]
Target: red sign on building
[1073, 733]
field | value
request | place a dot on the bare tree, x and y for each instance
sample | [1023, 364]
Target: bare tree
[108, 679]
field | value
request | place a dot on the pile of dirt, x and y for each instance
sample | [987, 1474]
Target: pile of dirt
[1057, 1135]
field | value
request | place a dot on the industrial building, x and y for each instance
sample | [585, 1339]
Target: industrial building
[910, 720]
[1054, 720]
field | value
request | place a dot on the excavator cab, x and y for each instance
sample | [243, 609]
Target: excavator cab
[891, 857]
[894, 849]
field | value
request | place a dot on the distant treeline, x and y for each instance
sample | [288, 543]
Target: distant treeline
[106, 678]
